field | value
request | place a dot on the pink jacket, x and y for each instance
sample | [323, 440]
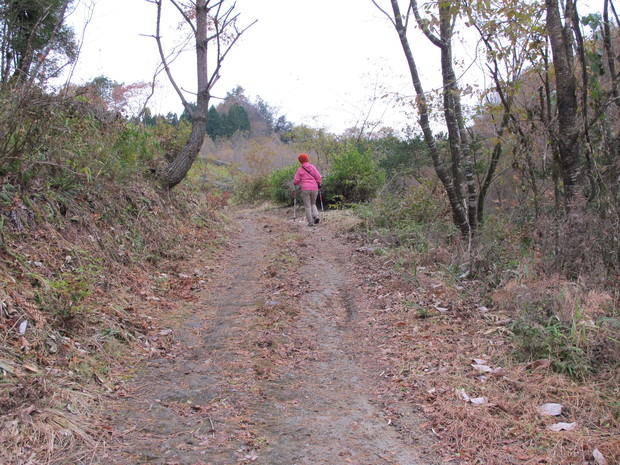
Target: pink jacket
[308, 176]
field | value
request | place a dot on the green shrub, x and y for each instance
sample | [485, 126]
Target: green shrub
[501, 251]
[251, 189]
[407, 219]
[537, 338]
[68, 141]
[281, 184]
[135, 144]
[422, 205]
[353, 177]
[401, 158]
[577, 331]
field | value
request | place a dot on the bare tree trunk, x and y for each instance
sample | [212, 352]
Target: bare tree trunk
[567, 104]
[176, 171]
[215, 32]
[44, 53]
[573, 235]
[531, 172]
[450, 184]
[506, 119]
[459, 140]
[546, 115]
[611, 56]
[490, 174]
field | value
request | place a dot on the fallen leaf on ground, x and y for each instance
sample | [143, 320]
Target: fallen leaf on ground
[31, 367]
[7, 366]
[550, 409]
[475, 400]
[598, 457]
[562, 426]
[252, 456]
[478, 400]
[482, 368]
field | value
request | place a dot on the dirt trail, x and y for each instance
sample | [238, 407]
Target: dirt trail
[272, 365]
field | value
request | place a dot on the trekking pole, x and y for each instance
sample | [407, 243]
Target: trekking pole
[295, 205]
[322, 209]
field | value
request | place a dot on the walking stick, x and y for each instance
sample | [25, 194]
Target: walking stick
[294, 204]
[322, 209]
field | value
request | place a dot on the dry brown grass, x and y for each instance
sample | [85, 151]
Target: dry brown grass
[429, 353]
[87, 274]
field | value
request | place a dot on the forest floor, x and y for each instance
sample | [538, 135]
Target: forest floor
[296, 345]
[274, 362]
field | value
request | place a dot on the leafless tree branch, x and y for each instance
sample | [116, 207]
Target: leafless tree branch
[91, 11]
[185, 16]
[423, 25]
[164, 59]
[389, 16]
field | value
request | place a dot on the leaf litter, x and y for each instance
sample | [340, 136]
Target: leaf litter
[412, 364]
[245, 367]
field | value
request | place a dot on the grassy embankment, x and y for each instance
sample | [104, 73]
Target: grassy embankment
[92, 254]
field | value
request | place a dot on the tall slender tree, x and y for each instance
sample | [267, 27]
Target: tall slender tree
[31, 31]
[562, 44]
[237, 119]
[215, 123]
[215, 31]
[458, 176]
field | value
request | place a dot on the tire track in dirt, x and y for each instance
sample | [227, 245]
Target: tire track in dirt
[241, 388]
[178, 408]
[326, 411]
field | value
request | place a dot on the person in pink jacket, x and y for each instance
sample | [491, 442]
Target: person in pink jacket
[309, 178]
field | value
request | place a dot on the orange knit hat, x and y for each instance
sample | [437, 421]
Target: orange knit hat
[303, 158]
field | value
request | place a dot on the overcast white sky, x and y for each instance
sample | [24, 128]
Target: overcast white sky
[316, 61]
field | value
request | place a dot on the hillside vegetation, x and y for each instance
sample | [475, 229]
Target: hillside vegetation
[508, 211]
[91, 255]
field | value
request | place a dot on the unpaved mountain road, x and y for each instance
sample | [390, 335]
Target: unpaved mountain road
[271, 364]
